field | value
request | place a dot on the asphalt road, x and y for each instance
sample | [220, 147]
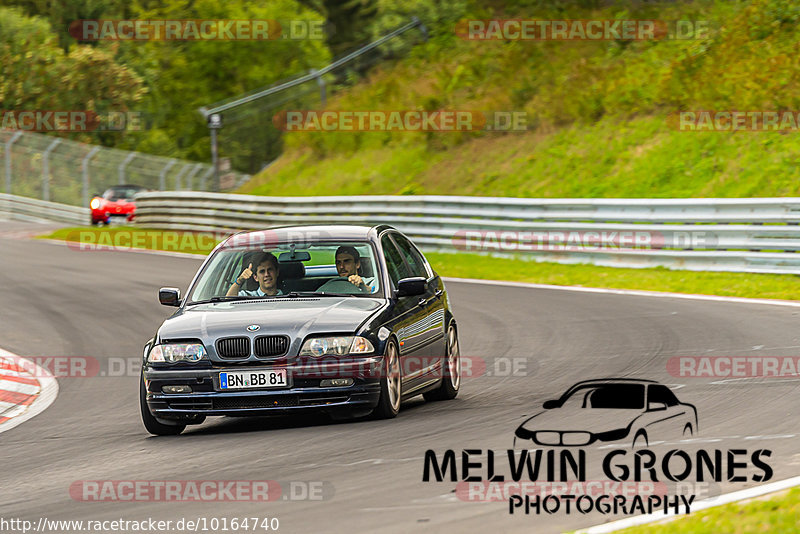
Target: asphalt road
[61, 302]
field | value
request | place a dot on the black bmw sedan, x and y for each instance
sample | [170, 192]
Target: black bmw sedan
[349, 320]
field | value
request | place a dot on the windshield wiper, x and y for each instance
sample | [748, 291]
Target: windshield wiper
[225, 299]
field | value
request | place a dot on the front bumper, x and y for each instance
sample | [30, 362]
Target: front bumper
[303, 392]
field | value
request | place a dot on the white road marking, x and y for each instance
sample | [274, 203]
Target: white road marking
[631, 292]
[765, 379]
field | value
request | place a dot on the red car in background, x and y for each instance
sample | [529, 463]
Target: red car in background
[116, 204]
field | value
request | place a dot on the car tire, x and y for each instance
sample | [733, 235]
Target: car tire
[641, 436]
[391, 384]
[451, 379]
[150, 422]
[687, 430]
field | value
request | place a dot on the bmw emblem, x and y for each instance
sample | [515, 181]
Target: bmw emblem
[253, 328]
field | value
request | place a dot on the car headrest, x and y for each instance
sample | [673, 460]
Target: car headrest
[366, 269]
[291, 270]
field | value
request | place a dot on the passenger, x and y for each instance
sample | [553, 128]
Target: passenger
[266, 275]
[348, 262]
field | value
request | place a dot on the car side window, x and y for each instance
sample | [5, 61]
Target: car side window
[412, 256]
[662, 394]
[394, 261]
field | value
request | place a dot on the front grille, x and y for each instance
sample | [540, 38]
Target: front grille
[274, 401]
[233, 347]
[271, 346]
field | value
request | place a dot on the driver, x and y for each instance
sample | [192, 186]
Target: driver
[266, 275]
[348, 262]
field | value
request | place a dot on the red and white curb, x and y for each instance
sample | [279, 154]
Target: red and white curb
[26, 390]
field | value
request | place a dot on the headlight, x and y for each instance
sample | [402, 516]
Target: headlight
[177, 352]
[95, 203]
[336, 346]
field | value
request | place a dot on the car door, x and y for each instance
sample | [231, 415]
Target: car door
[428, 327]
[408, 318]
[432, 301]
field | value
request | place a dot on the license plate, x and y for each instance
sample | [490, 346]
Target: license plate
[274, 378]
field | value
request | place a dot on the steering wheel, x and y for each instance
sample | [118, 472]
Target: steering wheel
[341, 285]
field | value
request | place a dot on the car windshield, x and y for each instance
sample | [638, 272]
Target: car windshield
[117, 193]
[287, 269]
[615, 396]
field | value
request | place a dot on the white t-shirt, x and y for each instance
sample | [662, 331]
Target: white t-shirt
[255, 293]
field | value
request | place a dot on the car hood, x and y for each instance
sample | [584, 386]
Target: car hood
[593, 420]
[296, 317]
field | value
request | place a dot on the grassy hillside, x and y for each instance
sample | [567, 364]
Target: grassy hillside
[597, 112]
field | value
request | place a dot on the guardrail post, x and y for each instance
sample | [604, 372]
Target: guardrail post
[192, 174]
[85, 173]
[422, 28]
[46, 169]
[205, 176]
[122, 166]
[183, 171]
[162, 176]
[10, 142]
[321, 83]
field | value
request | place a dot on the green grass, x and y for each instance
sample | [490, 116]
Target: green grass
[464, 265]
[597, 112]
[638, 158]
[775, 515]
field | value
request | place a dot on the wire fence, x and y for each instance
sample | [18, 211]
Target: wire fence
[61, 170]
[248, 139]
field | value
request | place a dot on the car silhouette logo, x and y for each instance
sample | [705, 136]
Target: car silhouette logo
[610, 409]
[253, 328]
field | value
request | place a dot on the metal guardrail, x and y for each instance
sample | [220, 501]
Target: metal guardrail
[758, 235]
[29, 209]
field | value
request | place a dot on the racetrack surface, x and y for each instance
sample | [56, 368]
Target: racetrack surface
[57, 301]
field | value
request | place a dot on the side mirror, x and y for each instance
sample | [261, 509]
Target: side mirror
[656, 406]
[549, 405]
[409, 287]
[169, 296]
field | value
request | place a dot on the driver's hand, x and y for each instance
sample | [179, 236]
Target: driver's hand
[356, 280]
[247, 274]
